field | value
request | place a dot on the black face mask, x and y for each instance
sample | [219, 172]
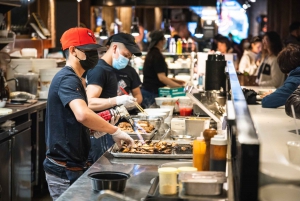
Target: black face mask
[90, 61]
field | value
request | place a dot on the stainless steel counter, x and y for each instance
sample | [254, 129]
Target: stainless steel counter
[142, 171]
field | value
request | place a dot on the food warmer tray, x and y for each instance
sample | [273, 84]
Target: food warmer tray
[114, 151]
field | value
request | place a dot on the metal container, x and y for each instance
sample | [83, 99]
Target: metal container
[28, 82]
[109, 180]
[202, 183]
[195, 125]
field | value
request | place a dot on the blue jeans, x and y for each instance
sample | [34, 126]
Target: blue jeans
[99, 147]
[148, 98]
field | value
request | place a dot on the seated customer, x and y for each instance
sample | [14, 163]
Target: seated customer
[294, 100]
[289, 62]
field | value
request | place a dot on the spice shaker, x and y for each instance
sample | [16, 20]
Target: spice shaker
[218, 151]
[208, 134]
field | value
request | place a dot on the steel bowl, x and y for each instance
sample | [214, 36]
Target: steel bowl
[109, 180]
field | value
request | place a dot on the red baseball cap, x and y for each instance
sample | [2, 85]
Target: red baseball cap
[79, 37]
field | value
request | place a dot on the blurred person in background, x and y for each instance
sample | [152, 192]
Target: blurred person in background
[269, 73]
[155, 70]
[294, 36]
[289, 62]
[250, 61]
[223, 45]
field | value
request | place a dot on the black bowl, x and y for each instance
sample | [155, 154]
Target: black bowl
[109, 180]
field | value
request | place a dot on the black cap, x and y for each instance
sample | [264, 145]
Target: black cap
[128, 40]
[155, 36]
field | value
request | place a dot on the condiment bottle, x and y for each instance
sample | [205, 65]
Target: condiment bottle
[167, 180]
[218, 150]
[179, 46]
[199, 149]
[208, 134]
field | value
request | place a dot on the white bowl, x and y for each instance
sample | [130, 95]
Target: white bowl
[279, 192]
[271, 173]
[2, 104]
[168, 107]
[167, 101]
[157, 110]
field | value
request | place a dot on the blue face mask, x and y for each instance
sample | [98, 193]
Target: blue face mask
[120, 62]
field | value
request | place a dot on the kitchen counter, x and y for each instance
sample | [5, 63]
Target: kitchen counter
[142, 171]
[274, 129]
[17, 111]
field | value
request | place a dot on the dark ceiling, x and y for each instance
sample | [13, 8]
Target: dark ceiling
[153, 3]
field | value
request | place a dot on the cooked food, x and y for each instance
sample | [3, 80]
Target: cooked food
[149, 147]
[184, 149]
[143, 127]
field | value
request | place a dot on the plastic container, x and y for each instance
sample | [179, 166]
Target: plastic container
[202, 183]
[167, 180]
[199, 149]
[185, 109]
[218, 151]
[294, 150]
[46, 76]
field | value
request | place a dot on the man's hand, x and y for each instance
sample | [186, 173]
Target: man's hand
[119, 135]
[126, 100]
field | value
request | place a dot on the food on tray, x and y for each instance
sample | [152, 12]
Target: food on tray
[184, 148]
[149, 147]
[143, 127]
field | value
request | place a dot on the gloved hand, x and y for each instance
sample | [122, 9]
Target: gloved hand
[112, 121]
[119, 135]
[126, 100]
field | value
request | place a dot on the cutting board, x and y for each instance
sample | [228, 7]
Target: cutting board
[26, 104]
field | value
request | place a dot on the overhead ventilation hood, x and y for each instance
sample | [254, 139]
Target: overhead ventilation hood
[6, 6]
[154, 3]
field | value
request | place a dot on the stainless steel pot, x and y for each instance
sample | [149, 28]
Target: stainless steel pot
[109, 180]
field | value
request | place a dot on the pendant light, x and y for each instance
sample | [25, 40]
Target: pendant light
[167, 31]
[135, 27]
[199, 29]
[103, 32]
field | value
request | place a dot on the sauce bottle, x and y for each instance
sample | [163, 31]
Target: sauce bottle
[218, 150]
[199, 149]
[208, 134]
[179, 46]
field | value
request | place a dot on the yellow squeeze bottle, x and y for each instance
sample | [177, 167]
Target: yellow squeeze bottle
[179, 46]
[199, 149]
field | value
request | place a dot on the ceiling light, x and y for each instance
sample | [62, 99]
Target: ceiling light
[135, 27]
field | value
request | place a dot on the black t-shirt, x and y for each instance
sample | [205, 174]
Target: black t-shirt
[104, 76]
[128, 79]
[154, 64]
[67, 139]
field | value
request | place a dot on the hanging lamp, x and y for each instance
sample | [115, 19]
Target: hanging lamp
[167, 31]
[103, 32]
[199, 29]
[135, 27]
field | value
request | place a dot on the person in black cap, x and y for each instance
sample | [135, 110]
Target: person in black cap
[129, 80]
[155, 70]
[102, 85]
[294, 36]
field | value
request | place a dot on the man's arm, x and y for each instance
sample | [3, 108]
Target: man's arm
[167, 81]
[94, 102]
[137, 94]
[89, 118]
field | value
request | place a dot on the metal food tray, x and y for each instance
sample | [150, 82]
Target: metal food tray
[146, 136]
[115, 152]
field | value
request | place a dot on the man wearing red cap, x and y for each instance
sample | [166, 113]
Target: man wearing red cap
[68, 116]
